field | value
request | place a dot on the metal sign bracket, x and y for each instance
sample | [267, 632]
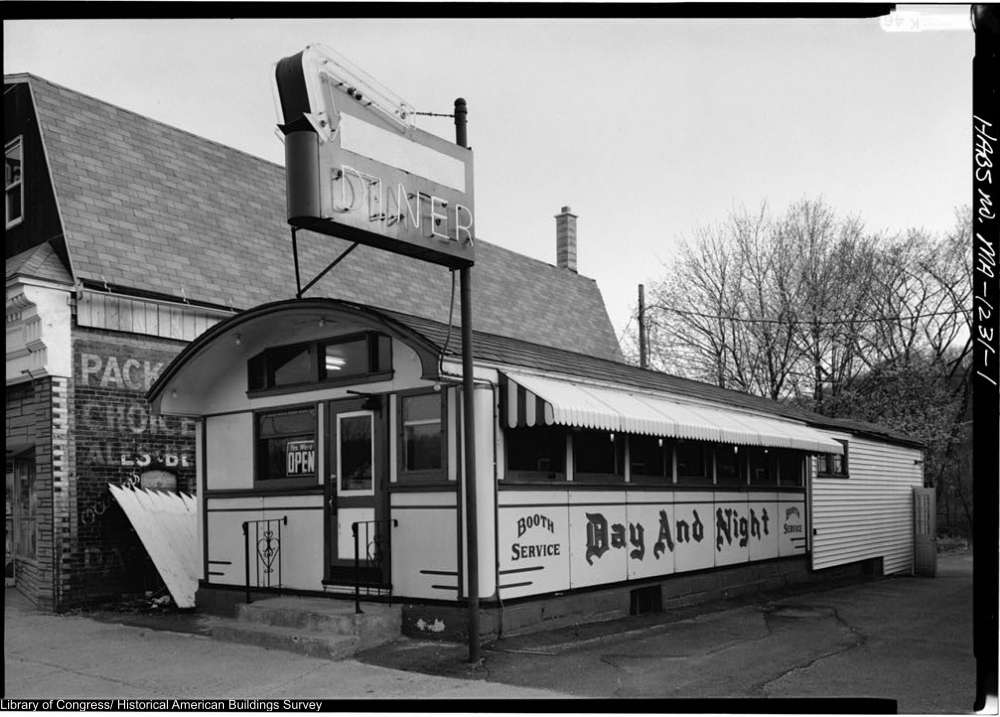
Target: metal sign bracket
[299, 289]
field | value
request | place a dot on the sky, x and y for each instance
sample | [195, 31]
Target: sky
[647, 128]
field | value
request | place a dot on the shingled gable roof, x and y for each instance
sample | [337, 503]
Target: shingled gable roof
[505, 352]
[39, 262]
[151, 207]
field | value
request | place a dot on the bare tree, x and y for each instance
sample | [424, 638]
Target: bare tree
[809, 307]
[689, 331]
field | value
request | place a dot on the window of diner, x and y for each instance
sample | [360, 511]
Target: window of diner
[729, 466]
[286, 447]
[789, 465]
[762, 463]
[598, 455]
[357, 358]
[282, 366]
[536, 454]
[692, 463]
[650, 460]
[13, 184]
[290, 365]
[422, 437]
[368, 354]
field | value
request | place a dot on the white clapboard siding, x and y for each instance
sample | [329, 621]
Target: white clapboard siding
[869, 514]
[167, 525]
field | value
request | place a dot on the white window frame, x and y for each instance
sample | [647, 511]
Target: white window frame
[19, 184]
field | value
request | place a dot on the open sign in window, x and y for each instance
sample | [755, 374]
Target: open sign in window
[300, 458]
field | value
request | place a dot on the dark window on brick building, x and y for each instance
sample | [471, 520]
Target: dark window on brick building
[22, 508]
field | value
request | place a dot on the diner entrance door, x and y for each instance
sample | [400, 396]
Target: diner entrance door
[357, 533]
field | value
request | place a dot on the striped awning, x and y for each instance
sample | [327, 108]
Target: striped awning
[537, 401]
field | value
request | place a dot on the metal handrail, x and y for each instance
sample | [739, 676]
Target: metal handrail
[374, 551]
[268, 550]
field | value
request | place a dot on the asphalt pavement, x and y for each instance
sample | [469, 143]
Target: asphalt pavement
[75, 656]
[907, 640]
[903, 639]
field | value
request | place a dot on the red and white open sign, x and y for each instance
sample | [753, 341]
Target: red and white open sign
[300, 458]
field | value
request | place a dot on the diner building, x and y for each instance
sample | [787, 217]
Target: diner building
[155, 340]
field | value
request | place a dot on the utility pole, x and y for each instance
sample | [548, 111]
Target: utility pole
[469, 425]
[643, 363]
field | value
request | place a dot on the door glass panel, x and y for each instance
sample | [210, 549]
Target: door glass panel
[355, 454]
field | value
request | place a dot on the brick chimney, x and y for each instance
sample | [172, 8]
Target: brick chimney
[566, 240]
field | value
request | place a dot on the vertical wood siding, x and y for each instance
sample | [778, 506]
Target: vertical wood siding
[869, 514]
[138, 316]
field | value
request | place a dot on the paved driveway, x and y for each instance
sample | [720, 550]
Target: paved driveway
[902, 638]
[76, 657]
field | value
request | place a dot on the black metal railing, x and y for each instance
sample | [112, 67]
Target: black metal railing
[371, 549]
[266, 536]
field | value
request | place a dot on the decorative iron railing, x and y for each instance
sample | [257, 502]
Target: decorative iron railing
[265, 537]
[371, 550]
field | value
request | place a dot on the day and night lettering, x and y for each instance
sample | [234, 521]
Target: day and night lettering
[657, 534]
[730, 526]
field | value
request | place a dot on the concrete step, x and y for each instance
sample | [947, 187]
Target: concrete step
[290, 639]
[314, 619]
[312, 626]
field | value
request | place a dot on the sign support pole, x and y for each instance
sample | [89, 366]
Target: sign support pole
[469, 426]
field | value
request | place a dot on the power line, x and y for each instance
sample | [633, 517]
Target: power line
[805, 322]
[621, 336]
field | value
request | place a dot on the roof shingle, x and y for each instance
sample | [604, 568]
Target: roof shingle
[149, 206]
[39, 262]
[506, 352]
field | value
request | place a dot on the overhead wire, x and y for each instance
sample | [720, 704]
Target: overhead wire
[801, 322]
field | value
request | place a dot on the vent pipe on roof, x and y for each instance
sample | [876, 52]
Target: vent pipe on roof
[566, 240]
